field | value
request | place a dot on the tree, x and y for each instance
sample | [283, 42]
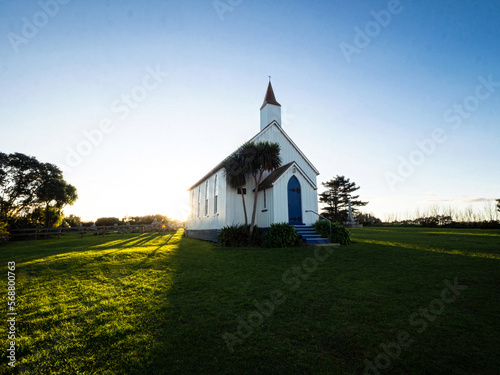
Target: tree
[236, 171]
[4, 233]
[260, 157]
[146, 220]
[54, 193]
[108, 221]
[251, 160]
[367, 219]
[337, 196]
[498, 205]
[72, 221]
[19, 180]
[30, 189]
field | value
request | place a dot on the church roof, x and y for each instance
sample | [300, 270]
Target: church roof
[273, 176]
[215, 169]
[270, 98]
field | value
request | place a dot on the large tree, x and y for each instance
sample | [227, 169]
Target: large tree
[251, 161]
[32, 188]
[265, 158]
[339, 191]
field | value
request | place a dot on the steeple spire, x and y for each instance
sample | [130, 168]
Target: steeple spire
[271, 109]
[270, 98]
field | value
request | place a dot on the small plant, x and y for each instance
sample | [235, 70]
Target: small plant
[340, 234]
[237, 236]
[280, 235]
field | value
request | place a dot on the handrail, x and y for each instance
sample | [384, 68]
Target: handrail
[325, 219]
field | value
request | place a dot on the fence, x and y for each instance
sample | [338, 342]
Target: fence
[94, 230]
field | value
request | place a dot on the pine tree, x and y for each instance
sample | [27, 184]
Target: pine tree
[336, 198]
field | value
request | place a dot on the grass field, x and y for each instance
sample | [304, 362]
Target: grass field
[165, 304]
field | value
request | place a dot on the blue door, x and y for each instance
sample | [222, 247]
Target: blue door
[294, 201]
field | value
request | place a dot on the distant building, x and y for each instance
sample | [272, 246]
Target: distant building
[286, 193]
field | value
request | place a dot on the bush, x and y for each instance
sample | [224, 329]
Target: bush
[4, 233]
[340, 234]
[280, 235]
[237, 236]
[108, 221]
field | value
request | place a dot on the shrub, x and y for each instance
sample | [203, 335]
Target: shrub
[280, 235]
[237, 236]
[108, 221]
[340, 234]
[4, 233]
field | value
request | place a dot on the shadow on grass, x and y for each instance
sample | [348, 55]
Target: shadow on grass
[162, 305]
[93, 310]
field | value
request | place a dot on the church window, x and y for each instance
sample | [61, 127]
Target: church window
[265, 199]
[199, 201]
[216, 194]
[244, 191]
[206, 199]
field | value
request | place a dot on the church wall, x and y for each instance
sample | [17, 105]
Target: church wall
[235, 213]
[265, 215]
[214, 220]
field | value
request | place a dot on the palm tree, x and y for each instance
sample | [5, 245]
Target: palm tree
[236, 176]
[251, 159]
[259, 158]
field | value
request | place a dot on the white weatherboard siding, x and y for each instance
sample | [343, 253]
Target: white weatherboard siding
[289, 152]
[269, 114]
[265, 215]
[214, 220]
[235, 214]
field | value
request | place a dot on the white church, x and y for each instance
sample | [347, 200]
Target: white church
[286, 194]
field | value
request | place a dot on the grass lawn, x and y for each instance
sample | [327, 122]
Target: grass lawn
[164, 304]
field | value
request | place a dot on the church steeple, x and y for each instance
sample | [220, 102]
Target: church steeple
[270, 98]
[271, 109]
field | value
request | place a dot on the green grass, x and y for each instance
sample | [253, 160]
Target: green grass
[161, 303]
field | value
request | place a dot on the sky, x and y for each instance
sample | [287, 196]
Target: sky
[136, 100]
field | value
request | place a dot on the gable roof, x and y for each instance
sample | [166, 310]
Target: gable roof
[273, 176]
[221, 164]
[270, 98]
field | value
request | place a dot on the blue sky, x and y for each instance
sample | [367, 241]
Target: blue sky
[167, 89]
